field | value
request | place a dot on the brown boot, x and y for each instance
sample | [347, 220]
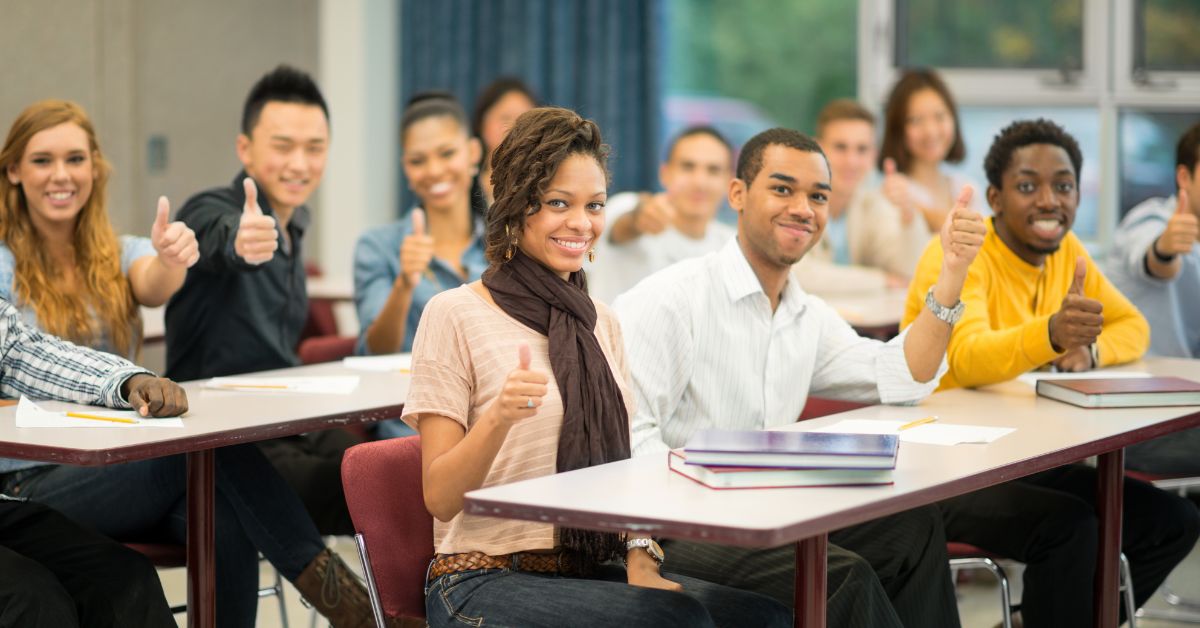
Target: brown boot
[331, 588]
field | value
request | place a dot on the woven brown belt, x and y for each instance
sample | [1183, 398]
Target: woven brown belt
[560, 562]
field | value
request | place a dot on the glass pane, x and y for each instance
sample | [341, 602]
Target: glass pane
[980, 125]
[1016, 34]
[1147, 153]
[1166, 35]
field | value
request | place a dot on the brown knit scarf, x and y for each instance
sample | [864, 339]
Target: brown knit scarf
[595, 426]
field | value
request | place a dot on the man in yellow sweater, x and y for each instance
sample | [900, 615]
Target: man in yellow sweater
[1034, 298]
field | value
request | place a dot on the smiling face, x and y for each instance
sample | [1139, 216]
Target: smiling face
[500, 117]
[439, 162]
[56, 173]
[928, 127]
[782, 213]
[1035, 206]
[849, 144]
[286, 151]
[571, 216]
[696, 175]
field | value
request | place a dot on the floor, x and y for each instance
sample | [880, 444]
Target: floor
[978, 598]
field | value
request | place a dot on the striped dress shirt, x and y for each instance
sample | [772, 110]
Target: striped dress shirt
[706, 351]
[41, 366]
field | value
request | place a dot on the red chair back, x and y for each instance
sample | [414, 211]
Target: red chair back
[383, 492]
[819, 406]
[325, 348]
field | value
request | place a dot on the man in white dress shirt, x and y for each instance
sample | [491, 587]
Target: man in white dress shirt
[728, 341]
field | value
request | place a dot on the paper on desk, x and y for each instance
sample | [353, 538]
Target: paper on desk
[396, 362]
[317, 384]
[929, 434]
[1031, 378]
[29, 414]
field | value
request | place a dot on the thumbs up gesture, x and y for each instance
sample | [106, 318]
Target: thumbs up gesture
[1182, 230]
[175, 241]
[1079, 320]
[522, 393]
[653, 214]
[416, 252]
[257, 237]
[896, 189]
[962, 234]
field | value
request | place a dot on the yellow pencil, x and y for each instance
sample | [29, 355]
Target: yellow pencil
[910, 424]
[96, 417]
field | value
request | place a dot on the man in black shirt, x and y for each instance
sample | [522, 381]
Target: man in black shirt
[244, 304]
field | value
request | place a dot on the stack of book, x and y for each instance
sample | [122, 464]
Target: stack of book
[1137, 392]
[763, 459]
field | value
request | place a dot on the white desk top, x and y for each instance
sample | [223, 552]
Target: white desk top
[215, 418]
[643, 495]
[870, 309]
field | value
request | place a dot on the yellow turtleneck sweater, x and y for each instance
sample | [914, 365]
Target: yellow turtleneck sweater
[1005, 329]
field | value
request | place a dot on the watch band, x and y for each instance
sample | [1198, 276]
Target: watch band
[948, 315]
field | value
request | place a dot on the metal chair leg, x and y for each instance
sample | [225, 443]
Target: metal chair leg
[1126, 585]
[982, 562]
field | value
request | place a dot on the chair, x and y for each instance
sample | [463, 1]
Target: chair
[1184, 610]
[394, 531]
[318, 349]
[174, 555]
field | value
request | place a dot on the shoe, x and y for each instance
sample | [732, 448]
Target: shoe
[335, 592]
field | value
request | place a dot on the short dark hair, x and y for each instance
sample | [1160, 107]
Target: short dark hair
[699, 129]
[750, 160]
[283, 84]
[492, 93]
[1187, 151]
[432, 104]
[1024, 133]
[895, 118]
[842, 109]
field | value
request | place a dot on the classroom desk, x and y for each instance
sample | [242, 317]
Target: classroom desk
[215, 418]
[642, 495]
[872, 314]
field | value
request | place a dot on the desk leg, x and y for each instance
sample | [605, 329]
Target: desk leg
[201, 556]
[811, 564]
[1110, 493]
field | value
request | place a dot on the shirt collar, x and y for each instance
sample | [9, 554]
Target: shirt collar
[741, 282]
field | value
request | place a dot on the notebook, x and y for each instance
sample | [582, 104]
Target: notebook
[757, 448]
[773, 477]
[1123, 393]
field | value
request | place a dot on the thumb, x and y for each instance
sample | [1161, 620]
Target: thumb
[1080, 275]
[1182, 207]
[889, 167]
[251, 206]
[418, 221]
[164, 212]
[525, 357]
[964, 198]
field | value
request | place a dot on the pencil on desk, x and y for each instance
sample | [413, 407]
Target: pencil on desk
[910, 424]
[96, 417]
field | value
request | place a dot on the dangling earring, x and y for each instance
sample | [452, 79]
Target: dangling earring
[512, 241]
[592, 255]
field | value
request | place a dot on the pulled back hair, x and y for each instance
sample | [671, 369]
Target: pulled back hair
[432, 104]
[492, 94]
[525, 163]
[1023, 133]
[38, 282]
[283, 84]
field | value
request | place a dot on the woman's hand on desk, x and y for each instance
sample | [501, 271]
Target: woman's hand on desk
[642, 571]
[154, 396]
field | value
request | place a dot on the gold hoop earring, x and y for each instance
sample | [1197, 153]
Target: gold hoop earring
[592, 255]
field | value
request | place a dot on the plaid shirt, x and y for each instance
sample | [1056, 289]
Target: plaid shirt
[41, 366]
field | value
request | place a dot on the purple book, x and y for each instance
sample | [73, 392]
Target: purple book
[796, 450]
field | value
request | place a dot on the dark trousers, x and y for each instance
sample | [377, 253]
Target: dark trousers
[1048, 521]
[55, 573]
[891, 571]
[312, 465]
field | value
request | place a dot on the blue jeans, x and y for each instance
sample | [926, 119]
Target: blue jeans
[256, 511]
[501, 597]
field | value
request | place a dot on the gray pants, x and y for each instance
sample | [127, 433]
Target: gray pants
[889, 572]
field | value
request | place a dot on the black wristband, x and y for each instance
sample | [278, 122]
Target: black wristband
[1166, 259]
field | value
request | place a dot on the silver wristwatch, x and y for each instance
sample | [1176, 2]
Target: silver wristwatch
[649, 545]
[948, 315]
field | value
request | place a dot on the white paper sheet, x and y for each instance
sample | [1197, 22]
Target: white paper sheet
[393, 363]
[1031, 378]
[319, 385]
[930, 433]
[29, 414]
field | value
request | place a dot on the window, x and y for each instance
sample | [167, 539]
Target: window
[1147, 150]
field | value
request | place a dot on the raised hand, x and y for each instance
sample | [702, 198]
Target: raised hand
[522, 393]
[896, 189]
[1079, 320]
[654, 213]
[1182, 230]
[257, 238]
[416, 252]
[962, 234]
[175, 242]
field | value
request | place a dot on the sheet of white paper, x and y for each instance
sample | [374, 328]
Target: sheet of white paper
[930, 433]
[29, 414]
[396, 362]
[320, 385]
[1031, 378]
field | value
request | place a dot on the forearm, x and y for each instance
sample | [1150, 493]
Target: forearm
[155, 282]
[387, 332]
[1124, 339]
[928, 337]
[1160, 269]
[463, 467]
[624, 229]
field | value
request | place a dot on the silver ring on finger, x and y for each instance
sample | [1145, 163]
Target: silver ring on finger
[529, 402]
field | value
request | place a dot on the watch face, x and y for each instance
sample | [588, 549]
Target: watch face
[655, 551]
